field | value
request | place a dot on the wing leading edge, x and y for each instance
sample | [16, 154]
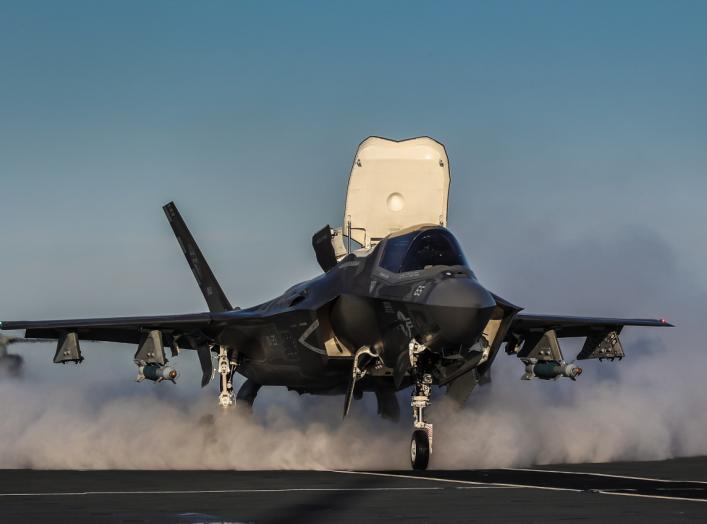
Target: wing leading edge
[117, 329]
[569, 326]
[534, 338]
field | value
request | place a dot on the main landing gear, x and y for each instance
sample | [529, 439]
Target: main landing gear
[421, 442]
[226, 368]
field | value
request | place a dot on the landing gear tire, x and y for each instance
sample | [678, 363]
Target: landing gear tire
[419, 449]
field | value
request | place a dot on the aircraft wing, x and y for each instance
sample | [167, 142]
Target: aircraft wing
[535, 336]
[151, 334]
[566, 326]
[117, 329]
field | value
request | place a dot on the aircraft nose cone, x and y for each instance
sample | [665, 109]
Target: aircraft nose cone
[461, 293]
[460, 307]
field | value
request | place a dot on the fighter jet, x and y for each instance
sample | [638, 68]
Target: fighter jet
[397, 306]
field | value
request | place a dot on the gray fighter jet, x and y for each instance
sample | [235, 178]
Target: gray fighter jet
[397, 306]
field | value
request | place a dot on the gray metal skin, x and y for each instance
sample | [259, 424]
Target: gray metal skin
[281, 342]
[355, 304]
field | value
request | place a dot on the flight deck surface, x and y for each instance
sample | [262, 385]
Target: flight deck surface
[662, 491]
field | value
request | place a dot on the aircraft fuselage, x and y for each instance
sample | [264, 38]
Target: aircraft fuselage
[306, 338]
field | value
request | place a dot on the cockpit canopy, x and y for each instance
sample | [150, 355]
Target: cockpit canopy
[421, 249]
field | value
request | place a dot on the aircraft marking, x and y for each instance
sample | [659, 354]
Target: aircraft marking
[303, 339]
[405, 324]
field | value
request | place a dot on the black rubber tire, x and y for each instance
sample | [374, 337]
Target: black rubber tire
[419, 449]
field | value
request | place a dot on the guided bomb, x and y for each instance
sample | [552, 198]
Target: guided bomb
[548, 370]
[157, 373]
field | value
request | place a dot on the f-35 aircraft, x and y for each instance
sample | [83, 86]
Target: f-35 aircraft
[397, 306]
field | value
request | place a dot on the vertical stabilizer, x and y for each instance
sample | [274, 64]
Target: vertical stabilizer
[210, 288]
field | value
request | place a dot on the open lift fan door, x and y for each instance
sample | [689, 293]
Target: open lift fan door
[394, 185]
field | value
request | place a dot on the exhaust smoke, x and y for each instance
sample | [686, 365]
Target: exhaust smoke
[649, 406]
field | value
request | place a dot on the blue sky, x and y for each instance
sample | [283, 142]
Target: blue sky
[568, 124]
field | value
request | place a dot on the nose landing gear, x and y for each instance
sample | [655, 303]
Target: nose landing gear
[421, 442]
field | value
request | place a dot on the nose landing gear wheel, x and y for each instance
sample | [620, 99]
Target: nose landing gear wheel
[419, 449]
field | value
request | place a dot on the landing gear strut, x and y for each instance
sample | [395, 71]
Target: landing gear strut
[359, 370]
[421, 442]
[226, 368]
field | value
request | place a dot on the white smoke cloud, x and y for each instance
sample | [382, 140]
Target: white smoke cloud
[72, 429]
[650, 406]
